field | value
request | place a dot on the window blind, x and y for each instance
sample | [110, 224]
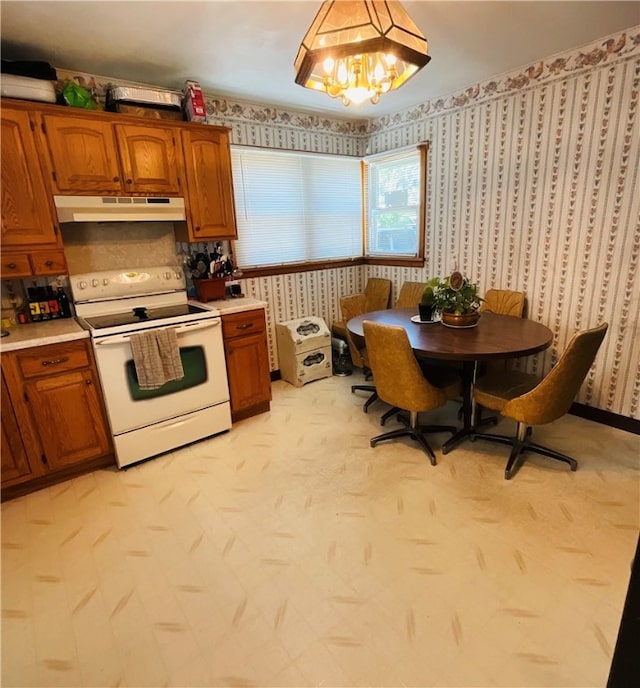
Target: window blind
[295, 207]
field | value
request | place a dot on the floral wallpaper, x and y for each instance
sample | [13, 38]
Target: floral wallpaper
[532, 186]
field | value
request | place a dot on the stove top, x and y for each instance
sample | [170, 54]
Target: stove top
[124, 301]
[142, 314]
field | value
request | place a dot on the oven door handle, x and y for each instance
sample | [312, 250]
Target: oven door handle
[181, 329]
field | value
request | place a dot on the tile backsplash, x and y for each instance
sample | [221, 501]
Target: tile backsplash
[91, 246]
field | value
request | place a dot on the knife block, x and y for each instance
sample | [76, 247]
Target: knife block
[212, 289]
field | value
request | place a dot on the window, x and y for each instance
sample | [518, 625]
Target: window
[394, 201]
[295, 207]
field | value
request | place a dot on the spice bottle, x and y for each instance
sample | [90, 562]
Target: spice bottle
[54, 306]
[45, 313]
[63, 303]
[34, 304]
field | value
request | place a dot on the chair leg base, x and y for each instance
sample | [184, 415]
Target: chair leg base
[520, 447]
[366, 388]
[416, 434]
[387, 414]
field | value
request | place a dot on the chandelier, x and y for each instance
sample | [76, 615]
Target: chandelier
[360, 50]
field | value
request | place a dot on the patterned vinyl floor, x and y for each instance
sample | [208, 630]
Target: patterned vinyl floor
[287, 552]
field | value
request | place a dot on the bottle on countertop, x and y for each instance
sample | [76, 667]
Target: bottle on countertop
[63, 303]
[45, 312]
[54, 306]
[34, 304]
[23, 314]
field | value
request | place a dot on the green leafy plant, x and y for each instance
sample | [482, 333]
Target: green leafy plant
[456, 294]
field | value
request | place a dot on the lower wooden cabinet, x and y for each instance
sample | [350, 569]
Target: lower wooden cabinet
[247, 354]
[55, 421]
[15, 464]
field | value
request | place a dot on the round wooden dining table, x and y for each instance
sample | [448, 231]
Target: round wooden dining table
[494, 337]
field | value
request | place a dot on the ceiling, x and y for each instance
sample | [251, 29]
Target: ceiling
[245, 49]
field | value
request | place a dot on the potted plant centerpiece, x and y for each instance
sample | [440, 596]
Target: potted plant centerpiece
[426, 305]
[458, 301]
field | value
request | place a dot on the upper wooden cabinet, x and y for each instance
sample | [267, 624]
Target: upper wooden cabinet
[50, 150]
[211, 206]
[28, 217]
[94, 156]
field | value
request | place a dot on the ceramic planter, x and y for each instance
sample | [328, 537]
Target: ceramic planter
[464, 320]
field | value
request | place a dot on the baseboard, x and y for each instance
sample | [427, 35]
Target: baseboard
[614, 420]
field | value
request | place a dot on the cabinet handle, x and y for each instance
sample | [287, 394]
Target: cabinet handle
[55, 361]
[87, 382]
[197, 229]
[129, 181]
[244, 326]
[48, 263]
[12, 266]
[116, 179]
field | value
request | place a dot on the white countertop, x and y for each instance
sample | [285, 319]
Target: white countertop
[67, 329]
[234, 305]
[39, 333]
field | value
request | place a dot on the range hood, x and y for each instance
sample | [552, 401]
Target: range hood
[118, 209]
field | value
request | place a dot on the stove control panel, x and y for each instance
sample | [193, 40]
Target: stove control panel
[112, 284]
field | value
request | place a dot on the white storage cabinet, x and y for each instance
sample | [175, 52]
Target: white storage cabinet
[304, 350]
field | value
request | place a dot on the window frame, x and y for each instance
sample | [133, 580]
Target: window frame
[363, 259]
[398, 259]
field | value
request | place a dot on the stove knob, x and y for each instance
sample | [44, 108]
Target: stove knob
[167, 275]
[178, 275]
[105, 281]
[82, 284]
[94, 283]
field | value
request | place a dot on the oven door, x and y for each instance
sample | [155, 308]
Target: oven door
[204, 383]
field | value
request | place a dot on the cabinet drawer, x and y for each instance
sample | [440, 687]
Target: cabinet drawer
[53, 358]
[33, 263]
[15, 265]
[240, 324]
[49, 263]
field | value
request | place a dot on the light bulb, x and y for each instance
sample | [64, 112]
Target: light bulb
[328, 65]
[343, 72]
[359, 94]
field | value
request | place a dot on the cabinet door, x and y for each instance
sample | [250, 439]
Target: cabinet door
[27, 216]
[148, 156]
[67, 415]
[83, 154]
[209, 184]
[248, 370]
[14, 458]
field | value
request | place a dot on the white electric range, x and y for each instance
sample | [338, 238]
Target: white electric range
[115, 304]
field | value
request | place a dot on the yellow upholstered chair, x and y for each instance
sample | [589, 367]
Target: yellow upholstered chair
[531, 401]
[375, 297]
[410, 295]
[401, 383]
[504, 302]
[359, 357]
